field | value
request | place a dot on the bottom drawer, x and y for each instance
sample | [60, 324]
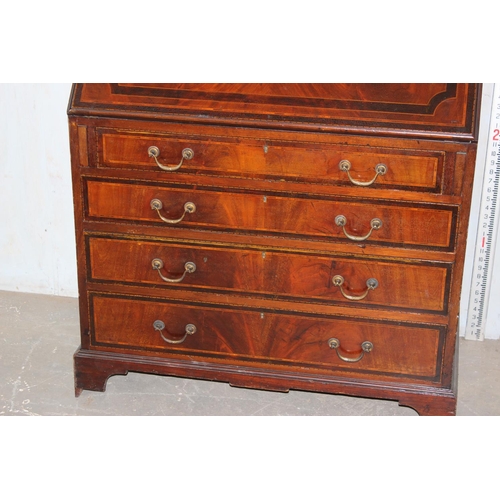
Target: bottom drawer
[270, 338]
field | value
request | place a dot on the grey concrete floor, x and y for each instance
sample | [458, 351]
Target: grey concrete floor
[40, 333]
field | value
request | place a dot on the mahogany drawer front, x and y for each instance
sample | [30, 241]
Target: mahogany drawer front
[309, 162]
[266, 337]
[402, 225]
[282, 275]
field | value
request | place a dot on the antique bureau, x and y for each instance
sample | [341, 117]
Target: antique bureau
[274, 236]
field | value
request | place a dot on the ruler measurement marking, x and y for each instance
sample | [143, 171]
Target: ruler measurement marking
[486, 231]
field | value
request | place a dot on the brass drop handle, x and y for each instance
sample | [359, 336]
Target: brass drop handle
[189, 267]
[159, 326]
[154, 152]
[341, 221]
[345, 166]
[371, 284]
[189, 208]
[365, 347]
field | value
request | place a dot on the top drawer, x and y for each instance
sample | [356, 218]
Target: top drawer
[310, 162]
[443, 110]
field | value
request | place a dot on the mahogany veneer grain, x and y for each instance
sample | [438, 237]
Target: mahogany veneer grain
[267, 187]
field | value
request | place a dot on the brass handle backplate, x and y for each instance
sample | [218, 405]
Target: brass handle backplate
[189, 208]
[159, 326]
[189, 267]
[371, 284]
[341, 221]
[154, 152]
[366, 346]
[345, 166]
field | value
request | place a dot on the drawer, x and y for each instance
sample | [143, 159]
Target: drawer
[395, 224]
[157, 327]
[280, 274]
[247, 157]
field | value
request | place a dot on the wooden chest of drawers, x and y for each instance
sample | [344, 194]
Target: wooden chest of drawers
[274, 236]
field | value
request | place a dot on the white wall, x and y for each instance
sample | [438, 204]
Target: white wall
[37, 243]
